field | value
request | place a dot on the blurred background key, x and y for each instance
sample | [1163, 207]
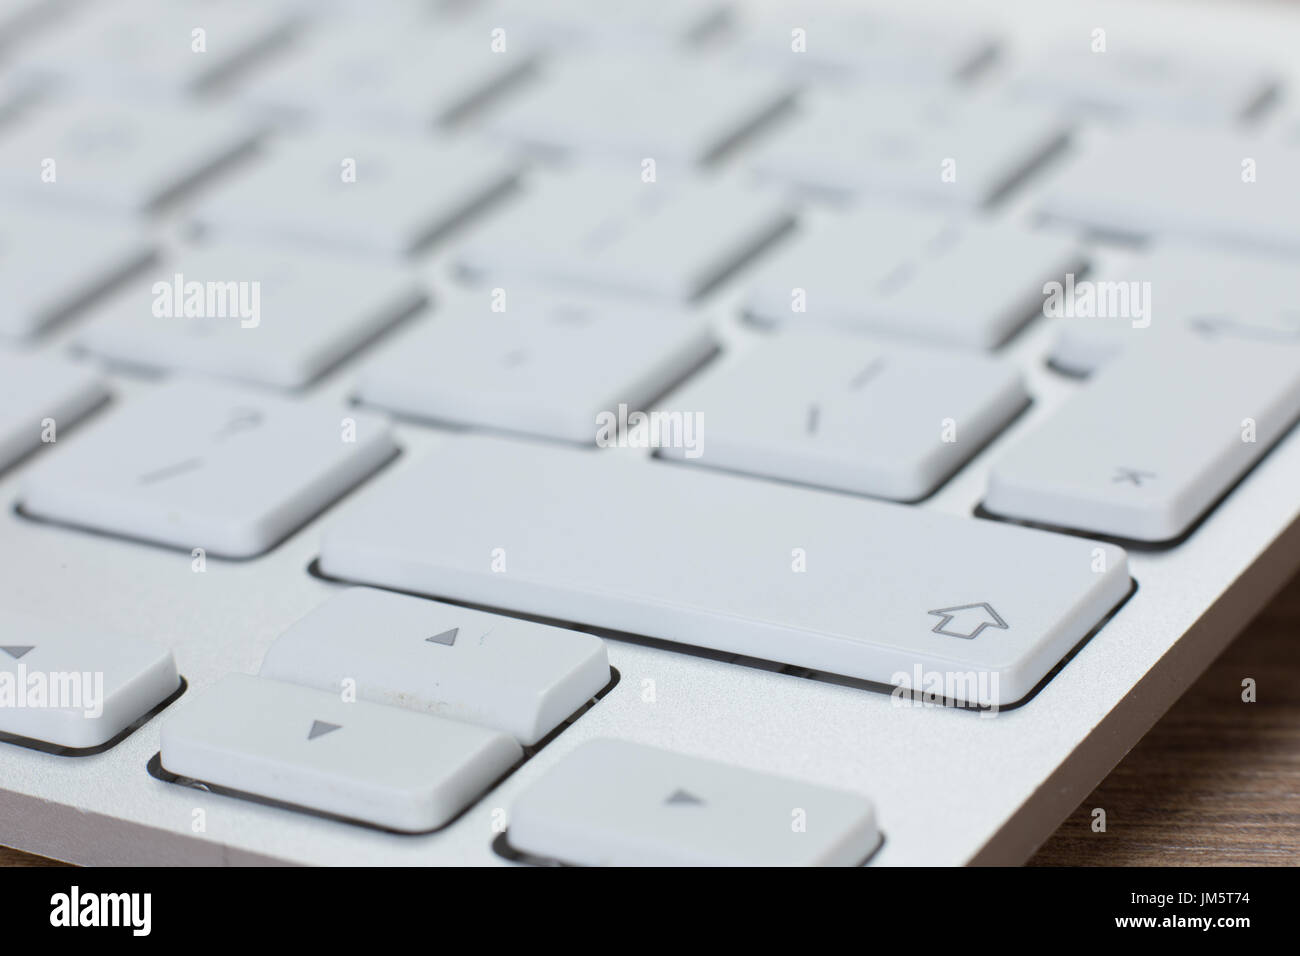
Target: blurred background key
[113, 158]
[153, 48]
[1127, 83]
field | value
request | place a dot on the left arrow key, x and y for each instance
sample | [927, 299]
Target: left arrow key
[77, 688]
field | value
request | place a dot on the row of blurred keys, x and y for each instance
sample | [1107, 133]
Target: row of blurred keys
[647, 179]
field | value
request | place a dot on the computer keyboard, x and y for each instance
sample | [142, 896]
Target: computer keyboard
[661, 433]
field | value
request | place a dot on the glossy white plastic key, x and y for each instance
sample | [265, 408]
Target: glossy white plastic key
[77, 687]
[842, 412]
[148, 47]
[617, 803]
[891, 270]
[603, 228]
[1175, 290]
[682, 111]
[850, 586]
[515, 676]
[1153, 439]
[50, 264]
[1138, 83]
[356, 194]
[941, 149]
[89, 155]
[278, 317]
[38, 397]
[547, 365]
[385, 766]
[204, 466]
[1146, 182]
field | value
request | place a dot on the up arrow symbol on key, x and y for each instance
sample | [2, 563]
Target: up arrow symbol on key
[446, 637]
[967, 620]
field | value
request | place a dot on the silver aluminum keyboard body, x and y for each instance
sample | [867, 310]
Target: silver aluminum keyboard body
[949, 786]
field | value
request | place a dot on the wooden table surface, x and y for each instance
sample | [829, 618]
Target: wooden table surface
[1216, 781]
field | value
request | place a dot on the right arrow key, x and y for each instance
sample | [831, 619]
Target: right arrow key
[615, 803]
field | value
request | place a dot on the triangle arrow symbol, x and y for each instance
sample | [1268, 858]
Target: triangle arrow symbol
[319, 728]
[682, 798]
[446, 637]
[16, 651]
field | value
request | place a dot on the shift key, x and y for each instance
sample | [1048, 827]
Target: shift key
[830, 582]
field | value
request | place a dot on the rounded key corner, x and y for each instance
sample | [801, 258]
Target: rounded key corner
[59, 750]
[1047, 678]
[501, 847]
[1125, 545]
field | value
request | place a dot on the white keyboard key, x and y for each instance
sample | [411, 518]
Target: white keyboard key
[604, 229]
[116, 158]
[547, 366]
[37, 393]
[50, 265]
[385, 197]
[861, 45]
[77, 688]
[674, 110]
[842, 413]
[1181, 183]
[151, 46]
[1130, 83]
[404, 77]
[380, 765]
[614, 803]
[1176, 291]
[711, 559]
[515, 676]
[205, 466]
[891, 270]
[1153, 439]
[934, 149]
[282, 319]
